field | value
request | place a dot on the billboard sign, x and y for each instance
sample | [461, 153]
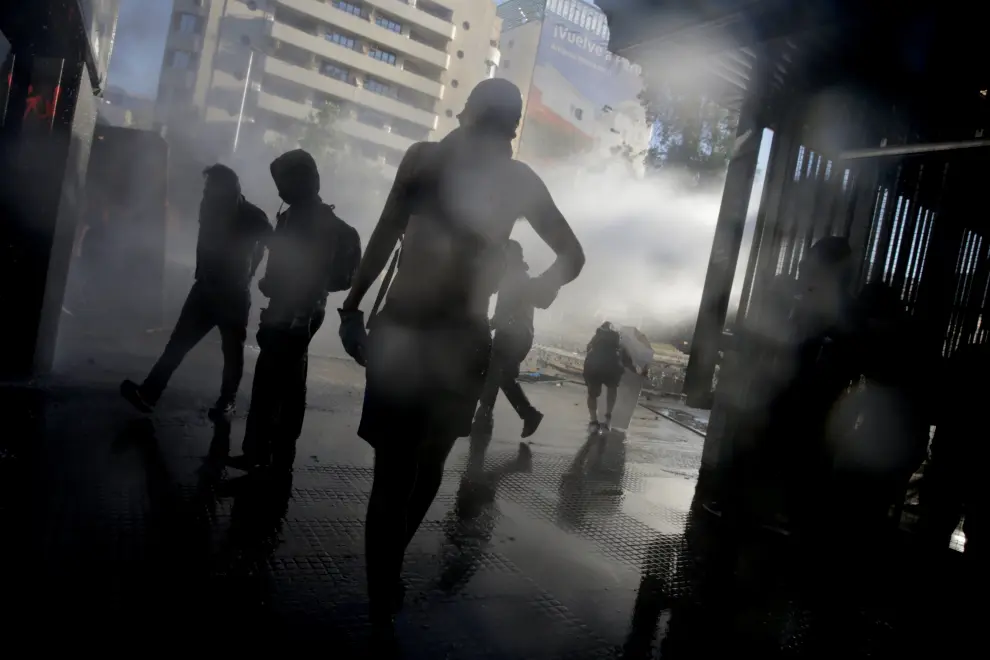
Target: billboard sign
[583, 100]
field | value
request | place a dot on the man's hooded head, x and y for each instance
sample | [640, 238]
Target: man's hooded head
[494, 105]
[296, 176]
[221, 187]
[514, 256]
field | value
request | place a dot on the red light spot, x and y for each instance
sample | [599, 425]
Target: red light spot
[40, 107]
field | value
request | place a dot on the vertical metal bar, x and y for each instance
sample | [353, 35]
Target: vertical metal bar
[777, 144]
[725, 252]
[885, 223]
[908, 231]
[780, 172]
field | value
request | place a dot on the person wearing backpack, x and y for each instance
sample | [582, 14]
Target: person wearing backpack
[312, 253]
[233, 234]
[604, 363]
[512, 340]
[453, 204]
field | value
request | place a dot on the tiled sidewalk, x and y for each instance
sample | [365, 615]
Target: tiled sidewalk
[124, 529]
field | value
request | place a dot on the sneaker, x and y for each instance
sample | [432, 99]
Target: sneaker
[131, 391]
[244, 463]
[594, 427]
[531, 423]
[607, 426]
[223, 409]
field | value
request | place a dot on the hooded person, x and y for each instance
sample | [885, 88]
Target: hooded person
[605, 361]
[453, 204]
[312, 253]
[512, 340]
[233, 234]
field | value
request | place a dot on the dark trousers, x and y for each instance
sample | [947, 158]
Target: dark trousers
[204, 310]
[407, 479]
[278, 395]
[508, 352]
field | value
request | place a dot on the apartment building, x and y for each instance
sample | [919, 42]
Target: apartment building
[581, 101]
[400, 70]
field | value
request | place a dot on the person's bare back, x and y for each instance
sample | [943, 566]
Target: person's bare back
[462, 206]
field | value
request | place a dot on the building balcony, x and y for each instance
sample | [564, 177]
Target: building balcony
[347, 126]
[348, 92]
[379, 136]
[357, 60]
[398, 43]
[415, 17]
[191, 7]
[191, 43]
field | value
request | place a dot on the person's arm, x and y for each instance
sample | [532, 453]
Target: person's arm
[550, 225]
[263, 234]
[387, 233]
[627, 360]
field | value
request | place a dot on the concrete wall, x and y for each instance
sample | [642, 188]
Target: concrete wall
[518, 49]
[473, 51]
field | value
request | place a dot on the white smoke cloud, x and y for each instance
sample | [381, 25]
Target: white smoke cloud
[646, 241]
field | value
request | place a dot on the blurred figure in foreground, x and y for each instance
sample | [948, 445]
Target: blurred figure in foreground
[233, 234]
[953, 486]
[885, 438]
[604, 363]
[453, 204]
[313, 252]
[511, 343]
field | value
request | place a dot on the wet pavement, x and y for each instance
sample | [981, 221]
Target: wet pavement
[127, 528]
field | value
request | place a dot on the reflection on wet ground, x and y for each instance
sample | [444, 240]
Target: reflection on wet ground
[583, 548]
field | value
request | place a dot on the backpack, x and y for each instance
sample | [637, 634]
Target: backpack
[346, 254]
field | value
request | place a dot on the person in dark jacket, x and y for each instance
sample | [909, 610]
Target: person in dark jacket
[233, 234]
[604, 363]
[454, 203]
[312, 253]
[511, 343]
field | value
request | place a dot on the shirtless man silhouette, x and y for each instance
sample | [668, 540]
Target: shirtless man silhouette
[453, 204]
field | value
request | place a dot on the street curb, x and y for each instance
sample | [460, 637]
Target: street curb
[675, 421]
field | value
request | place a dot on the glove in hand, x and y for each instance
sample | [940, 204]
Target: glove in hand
[353, 334]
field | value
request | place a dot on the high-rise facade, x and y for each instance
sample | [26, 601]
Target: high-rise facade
[400, 70]
[581, 101]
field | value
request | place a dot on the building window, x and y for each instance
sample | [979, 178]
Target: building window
[180, 59]
[577, 112]
[388, 24]
[382, 55]
[493, 43]
[512, 42]
[454, 84]
[334, 71]
[340, 40]
[505, 64]
[460, 54]
[187, 23]
[372, 118]
[449, 113]
[378, 87]
[348, 7]
[467, 26]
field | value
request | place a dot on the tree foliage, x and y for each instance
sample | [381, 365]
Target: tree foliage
[693, 134]
[322, 138]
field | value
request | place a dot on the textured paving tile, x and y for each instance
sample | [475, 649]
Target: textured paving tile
[128, 520]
